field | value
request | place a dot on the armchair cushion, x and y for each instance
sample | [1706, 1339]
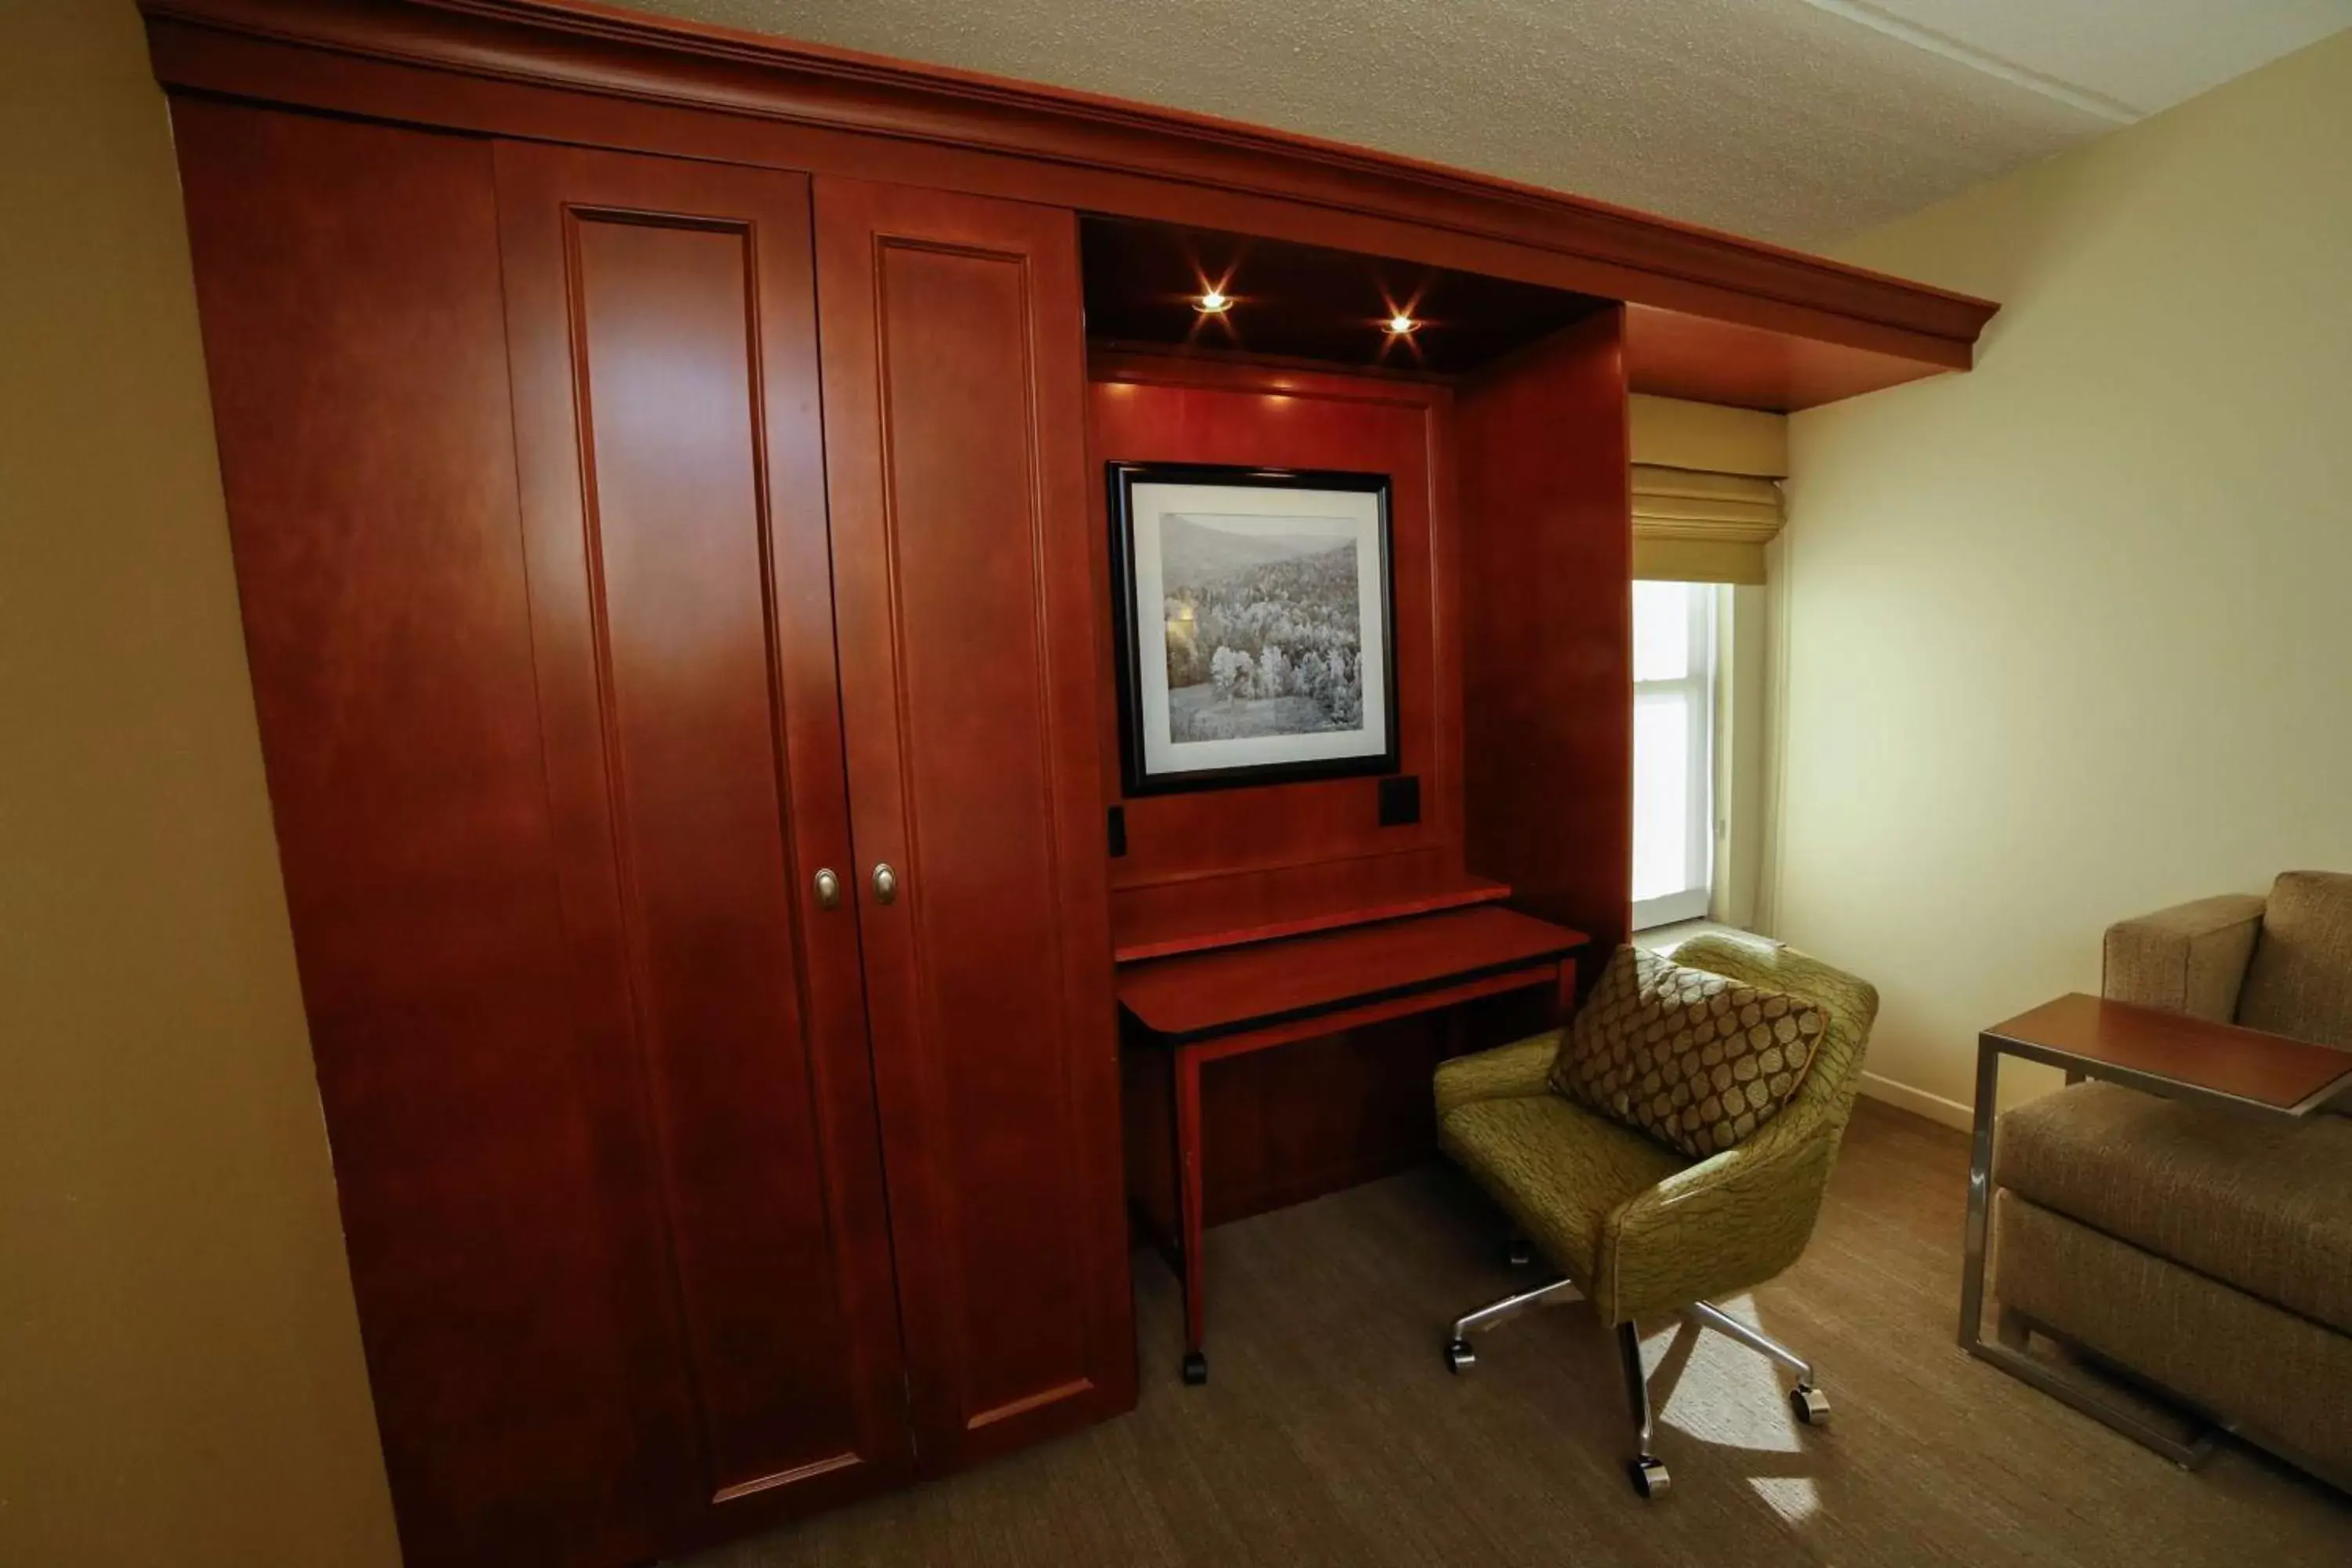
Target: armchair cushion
[2189, 958]
[1696, 1059]
[2265, 1207]
[1557, 1168]
[2300, 981]
[2228, 1351]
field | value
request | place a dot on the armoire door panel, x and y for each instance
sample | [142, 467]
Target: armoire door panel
[508, 1279]
[955, 386]
[662, 318]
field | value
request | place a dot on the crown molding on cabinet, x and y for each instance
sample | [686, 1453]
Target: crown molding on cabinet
[563, 71]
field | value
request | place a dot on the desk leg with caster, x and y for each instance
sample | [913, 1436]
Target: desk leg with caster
[1190, 1220]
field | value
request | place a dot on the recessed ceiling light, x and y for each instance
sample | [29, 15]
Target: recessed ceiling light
[1213, 303]
[1401, 323]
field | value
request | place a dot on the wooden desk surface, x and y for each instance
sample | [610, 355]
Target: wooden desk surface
[2269, 1070]
[1207, 994]
[1273, 913]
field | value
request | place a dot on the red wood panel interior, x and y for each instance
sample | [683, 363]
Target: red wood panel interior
[1546, 610]
[1307, 301]
[1208, 993]
[496, 1189]
[1323, 1113]
[686, 648]
[964, 567]
[1286, 1125]
[1228, 858]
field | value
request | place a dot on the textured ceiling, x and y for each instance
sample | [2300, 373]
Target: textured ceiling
[1797, 120]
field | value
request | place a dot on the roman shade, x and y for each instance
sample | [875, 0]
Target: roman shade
[1693, 526]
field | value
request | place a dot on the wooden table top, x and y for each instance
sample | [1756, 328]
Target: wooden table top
[1207, 994]
[2263, 1070]
[1272, 910]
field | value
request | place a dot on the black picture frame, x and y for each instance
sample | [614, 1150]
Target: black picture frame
[1131, 651]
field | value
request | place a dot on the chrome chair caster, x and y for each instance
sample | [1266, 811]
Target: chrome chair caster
[1196, 1369]
[1649, 1476]
[1459, 1357]
[1519, 1252]
[1811, 1405]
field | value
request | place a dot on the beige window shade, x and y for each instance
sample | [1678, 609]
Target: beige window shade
[1695, 527]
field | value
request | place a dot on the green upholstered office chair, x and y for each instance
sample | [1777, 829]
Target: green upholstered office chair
[1636, 1228]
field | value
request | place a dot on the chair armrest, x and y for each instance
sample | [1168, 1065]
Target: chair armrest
[1731, 1221]
[2189, 958]
[1507, 1072]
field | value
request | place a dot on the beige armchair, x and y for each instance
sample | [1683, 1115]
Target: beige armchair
[2206, 1253]
[2281, 964]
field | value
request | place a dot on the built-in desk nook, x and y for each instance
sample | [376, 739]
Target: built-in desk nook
[1233, 1001]
[781, 587]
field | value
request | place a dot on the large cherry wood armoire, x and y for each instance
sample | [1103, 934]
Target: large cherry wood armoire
[664, 474]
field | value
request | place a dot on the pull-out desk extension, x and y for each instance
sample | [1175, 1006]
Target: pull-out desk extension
[1207, 1006]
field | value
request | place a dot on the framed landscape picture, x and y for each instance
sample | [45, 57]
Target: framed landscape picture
[1255, 625]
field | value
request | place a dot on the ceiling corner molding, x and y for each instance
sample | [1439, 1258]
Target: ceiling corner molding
[1932, 42]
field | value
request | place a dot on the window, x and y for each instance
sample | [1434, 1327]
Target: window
[1674, 751]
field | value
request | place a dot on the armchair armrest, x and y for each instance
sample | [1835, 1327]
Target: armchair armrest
[1507, 1072]
[2190, 958]
[1730, 1222]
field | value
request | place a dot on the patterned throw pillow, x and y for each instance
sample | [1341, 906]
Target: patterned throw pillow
[1696, 1060]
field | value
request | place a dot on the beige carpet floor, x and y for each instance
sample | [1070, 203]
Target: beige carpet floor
[1333, 1434]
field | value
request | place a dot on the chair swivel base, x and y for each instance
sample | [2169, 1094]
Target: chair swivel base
[1460, 1358]
[1648, 1473]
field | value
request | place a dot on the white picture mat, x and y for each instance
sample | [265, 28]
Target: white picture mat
[1247, 508]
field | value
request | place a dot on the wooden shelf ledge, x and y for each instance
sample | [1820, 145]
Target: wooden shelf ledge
[1266, 984]
[1140, 946]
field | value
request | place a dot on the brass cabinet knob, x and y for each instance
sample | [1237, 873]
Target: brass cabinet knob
[828, 889]
[885, 883]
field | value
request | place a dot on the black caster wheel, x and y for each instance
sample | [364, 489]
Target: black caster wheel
[1517, 1253]
[1196, 1369]
[1811, 1405]
[1459, 1358]
[1649, 1476]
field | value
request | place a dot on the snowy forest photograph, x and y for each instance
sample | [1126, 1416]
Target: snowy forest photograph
[1262, 631]
[1255, 625]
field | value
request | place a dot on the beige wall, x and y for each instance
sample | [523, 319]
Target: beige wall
[180, 1373]
[2070, 638]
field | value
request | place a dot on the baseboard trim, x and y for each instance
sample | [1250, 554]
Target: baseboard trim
[1918, 1101]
